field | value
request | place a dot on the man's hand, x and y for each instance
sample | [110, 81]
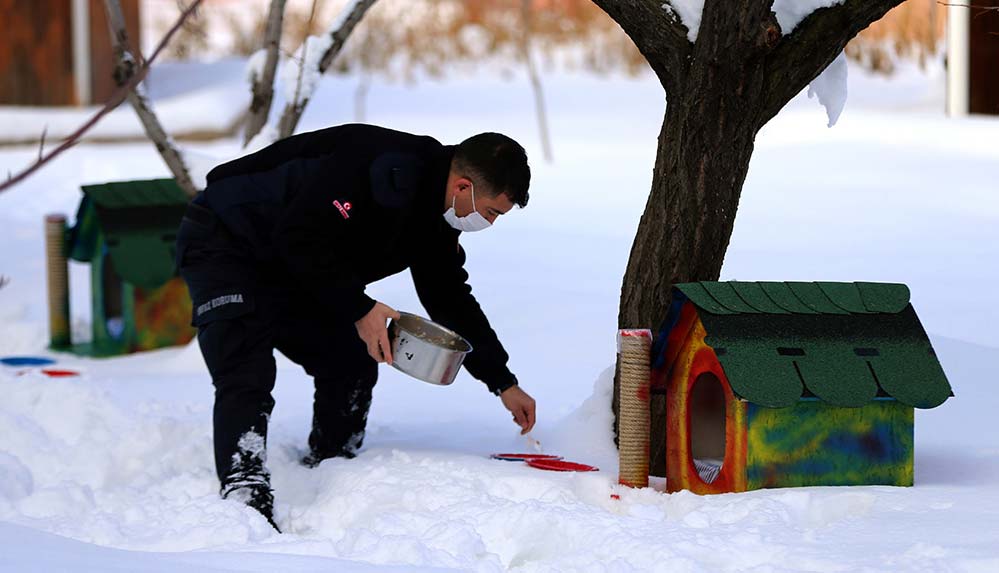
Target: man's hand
[521, 405]
[371, 328]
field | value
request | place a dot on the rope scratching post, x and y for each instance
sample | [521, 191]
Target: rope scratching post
[58, 280]
[634, 347]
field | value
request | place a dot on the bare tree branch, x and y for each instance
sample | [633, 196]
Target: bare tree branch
[263, 86]
[801, 56]
[114, 101]
[125, 63]
[338, 33]
[665, 44]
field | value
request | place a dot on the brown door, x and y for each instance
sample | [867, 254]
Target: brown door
[984, 65]
[36, 53]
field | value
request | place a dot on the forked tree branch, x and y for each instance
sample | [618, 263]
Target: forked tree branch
[338, 33]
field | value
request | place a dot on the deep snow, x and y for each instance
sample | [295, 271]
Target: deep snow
[113, 470]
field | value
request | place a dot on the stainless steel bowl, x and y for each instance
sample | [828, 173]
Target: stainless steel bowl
[426, 350]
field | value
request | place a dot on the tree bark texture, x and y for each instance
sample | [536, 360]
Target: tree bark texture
[293, 110]
[263, 86]
[720, 91]
[125, 67]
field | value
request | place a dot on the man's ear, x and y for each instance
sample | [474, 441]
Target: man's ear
[463, 185]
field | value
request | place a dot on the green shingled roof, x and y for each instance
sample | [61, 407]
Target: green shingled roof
[138, 220]
[844, 343]
[142, 194]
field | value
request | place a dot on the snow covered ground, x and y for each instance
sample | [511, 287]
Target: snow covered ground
[113, 471]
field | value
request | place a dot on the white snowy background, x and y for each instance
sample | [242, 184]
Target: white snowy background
[113, 471]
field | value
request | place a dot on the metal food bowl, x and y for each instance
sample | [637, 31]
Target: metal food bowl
[426, 350]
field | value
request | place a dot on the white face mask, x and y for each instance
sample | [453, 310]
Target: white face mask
[470, 223]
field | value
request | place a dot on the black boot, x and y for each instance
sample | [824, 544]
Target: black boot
[316, 457]
[254, 493]
[321, 447]
[249, 480]
[340, 415]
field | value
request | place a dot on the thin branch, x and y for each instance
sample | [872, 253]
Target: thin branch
[801, 56]
[114, 101]
[263, 86]
[338, 33]
[124, 69]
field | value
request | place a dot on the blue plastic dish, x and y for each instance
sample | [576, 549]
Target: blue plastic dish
[26, 361]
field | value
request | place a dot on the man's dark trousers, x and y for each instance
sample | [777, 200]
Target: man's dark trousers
[244, 310]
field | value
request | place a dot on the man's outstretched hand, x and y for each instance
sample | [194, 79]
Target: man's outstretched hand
[521, 405]
[371, 328]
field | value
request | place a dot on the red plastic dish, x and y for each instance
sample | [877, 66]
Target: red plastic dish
[524, 457]
[56, 373]
[560, 466]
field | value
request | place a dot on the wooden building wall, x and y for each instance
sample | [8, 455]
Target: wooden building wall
[984, 59]
[36, 51]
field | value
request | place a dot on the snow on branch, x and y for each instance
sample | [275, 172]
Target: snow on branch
[311, 62]
[114, 101]
[123, 72]
[830, 88]
[789, 12]
[812, 47]
[689, 12]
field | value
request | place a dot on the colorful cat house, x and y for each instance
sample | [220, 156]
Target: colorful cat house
[126, 231]
[776, 384]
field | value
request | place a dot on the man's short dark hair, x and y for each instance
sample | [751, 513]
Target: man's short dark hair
[497, 161]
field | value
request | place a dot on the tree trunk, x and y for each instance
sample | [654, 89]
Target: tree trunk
[688, 219]
[720, 90]
[705, 145]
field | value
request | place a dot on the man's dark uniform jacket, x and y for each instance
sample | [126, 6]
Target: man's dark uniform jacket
[336, 209]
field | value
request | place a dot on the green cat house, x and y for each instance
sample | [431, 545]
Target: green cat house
[126, 231]
[786, 384]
